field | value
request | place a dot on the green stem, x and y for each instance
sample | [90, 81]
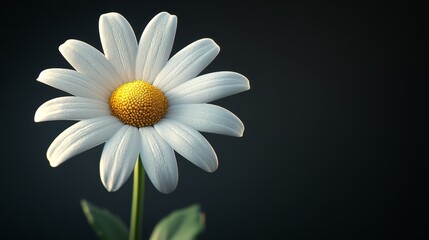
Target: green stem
[137, 204]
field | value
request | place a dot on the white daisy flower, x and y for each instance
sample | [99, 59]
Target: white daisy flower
[137, 101]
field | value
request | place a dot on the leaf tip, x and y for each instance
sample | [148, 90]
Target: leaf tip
[86, 208]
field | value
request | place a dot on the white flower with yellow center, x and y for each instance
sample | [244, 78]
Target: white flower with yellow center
[140, 102]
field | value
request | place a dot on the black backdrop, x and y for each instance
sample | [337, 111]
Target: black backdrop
[331, 138]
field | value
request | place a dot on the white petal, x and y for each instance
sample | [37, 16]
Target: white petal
[71, 108]
[207, 118]
[119, 156]
[189, 143]
[155, 46]
[80, 137]
[75, 83]
[208, 87]
[187, 64]
[158, 160]
[88, 60]
[119, 44]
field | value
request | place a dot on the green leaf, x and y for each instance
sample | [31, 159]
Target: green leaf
[182, 224]
[106, 225]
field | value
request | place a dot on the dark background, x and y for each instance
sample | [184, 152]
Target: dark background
[332, 140]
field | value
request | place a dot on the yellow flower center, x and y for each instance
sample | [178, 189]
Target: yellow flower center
[138, 103]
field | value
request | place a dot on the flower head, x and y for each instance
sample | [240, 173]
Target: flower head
[138, 101]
